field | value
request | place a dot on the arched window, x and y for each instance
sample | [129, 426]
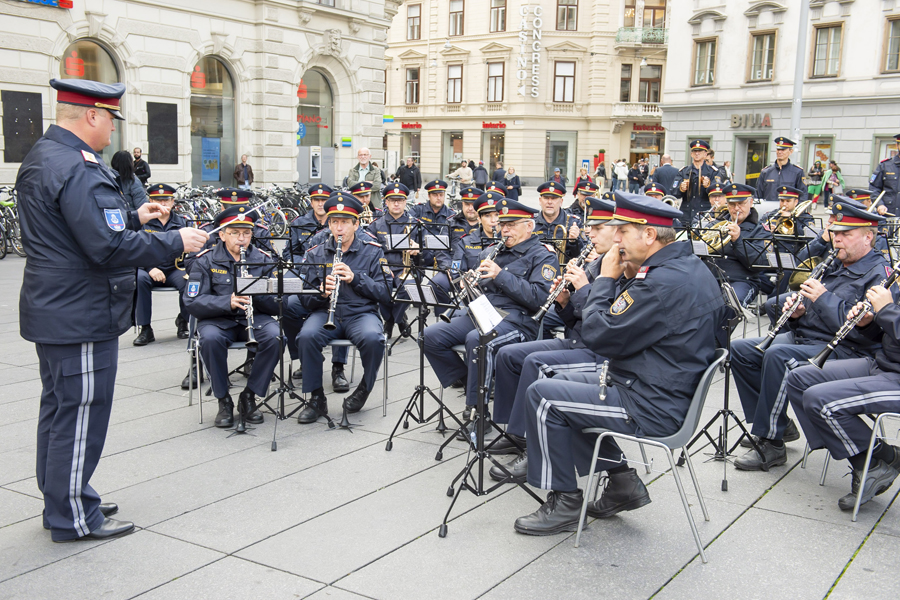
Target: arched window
[315, 114]
[86, 59]
[212, 123]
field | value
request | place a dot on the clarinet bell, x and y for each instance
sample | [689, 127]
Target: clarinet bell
[818, 361]
[765, 343]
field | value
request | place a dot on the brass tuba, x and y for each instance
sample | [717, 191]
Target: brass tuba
[716, 236]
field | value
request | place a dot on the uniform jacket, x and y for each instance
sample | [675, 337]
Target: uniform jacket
[386, 226]
[576, 210]
[439, 224]
[155, 226]
[665, 176]
[658, 333]
[260, 239]
[82, 244]
[467, 254]
[772, 177]
[887, 178]
[208, 293]
[522, 286]
[558, 230]
[459, 228]
[888, 358]
[369, 287]
[302, 229]
[699, 195]
[742, 254]
[573, 313]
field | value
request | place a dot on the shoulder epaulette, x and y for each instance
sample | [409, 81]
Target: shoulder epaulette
[549, 248]
[372, 243]
[887, 159]
[262, 226]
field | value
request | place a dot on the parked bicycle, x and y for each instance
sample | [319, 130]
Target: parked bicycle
[10, 232]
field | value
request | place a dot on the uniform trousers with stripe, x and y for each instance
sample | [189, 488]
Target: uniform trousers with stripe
[448, 366]
[364, 329]
[143, 308]
[829, 402]
[760, 379]
[78, 382]
[214, 343]
[558, 409]
[294, 316]
[520, 365]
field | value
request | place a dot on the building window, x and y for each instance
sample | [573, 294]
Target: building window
[495, 82]
[326, 2]
[213, 132]
[704, 62]
[414, 22]
[456, 17]
[762, 56]
[625, 85]
[648, 91]
[498, 15]
[630, 10]
[655, 13]
[454, 84]
[315, 110]
[566, 15]
[564, 82]
[892, 47]
[412, 86]
[827, 51]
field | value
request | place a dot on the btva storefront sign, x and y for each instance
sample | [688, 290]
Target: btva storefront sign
[529, 60]
[756, 121]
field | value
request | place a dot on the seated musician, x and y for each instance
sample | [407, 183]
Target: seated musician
[718, 207]
[517, 281]
[221, 316]
[864, 197]
[395, 221]
[759, 376]
[230, 197]
[583, 189]
[520, 365]
[782, 222]
[362, 191]
[362, 272]
[654, 190]
[830, 402]
[658, 331]
[466, 254]
[303, 231]
[463, 223]
[437, 216]
[165, 275]
[554, 225]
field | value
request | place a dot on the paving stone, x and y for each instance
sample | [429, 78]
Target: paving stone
[15, 507]
[26, 546]
[333, 593]
[890, 522]
[873, 572]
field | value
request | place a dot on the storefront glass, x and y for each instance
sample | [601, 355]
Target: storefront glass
[560, 152]
[410, 145]
[452, 150]
[213, 155]
[646, 144]
[315, 114]
[492, 144]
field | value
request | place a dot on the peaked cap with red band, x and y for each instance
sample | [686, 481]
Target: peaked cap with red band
[850, 214]
[342, 204]
[858, 194]
[395, 189]
[654, 188]
[552, 188]
[235, 216]
[84, 92]
[470, 194]
[232, 196]
[510, 210]
[161, 190]
[700, 145]
[599, 210]
[587, 186]
[488, 202]
[436, 185]
[320, 191]
[738, 192]
[642, 210]
[361, 188]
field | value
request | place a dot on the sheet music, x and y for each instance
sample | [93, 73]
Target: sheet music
[700, 247]
[485, 315]
[436, 242]
[398, 241]
[247, 286]
[427, 292]
[787, 260]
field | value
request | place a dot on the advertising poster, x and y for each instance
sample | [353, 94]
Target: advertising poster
[210, 156]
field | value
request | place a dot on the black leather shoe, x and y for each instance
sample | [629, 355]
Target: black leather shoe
[338, 382]
[389, 328]
[110, 528]
[879, 478]
[465, 434]
[771, 457]
[558, 514]
[459, 383]
[316, 407]
[505, 446]
[355, 401]
[518, 467]
[791, 434]
[467, 413]
[181, 327]
[247, 402]
[225, 418]
[297, 375]
[145, 336]
[623, 491]
[190, 380]
[107, 509]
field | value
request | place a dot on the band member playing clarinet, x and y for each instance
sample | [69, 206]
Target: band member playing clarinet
[364, 276]
[221, 316]
[759, 375]
[830, 402]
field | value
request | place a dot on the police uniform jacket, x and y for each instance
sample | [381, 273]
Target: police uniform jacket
[558, 230]
[467, 254]
[302, 229]
[208, 293]
[260, 240]
[699, 195]
[846, 286]
[369, 287]
[772, 177]
[887, 178]
[387, 226]
[658, 332]
[742, 254]
[576, 210]
[155, 226]
[888, 358]
[459, 228]
[82, 244]
[439, 224]
[523, 284]
[819, 247]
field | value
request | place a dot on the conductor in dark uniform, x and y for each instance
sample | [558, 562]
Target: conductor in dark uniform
[693, 182]
[222, 318]
[77, 294]
[781, 172]
[886, 178]
[658, 332]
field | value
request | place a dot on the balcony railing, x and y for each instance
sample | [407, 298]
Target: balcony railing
[636, 109]
[642, 35]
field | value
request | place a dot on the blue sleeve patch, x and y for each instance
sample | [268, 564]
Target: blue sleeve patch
[114, 219]
[454, 266]
[193, 289]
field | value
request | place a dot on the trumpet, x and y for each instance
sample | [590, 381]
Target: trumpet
[563, 285]
[251, 339]
[784, 225]
[819, 359]
[332, 305]
[816, 275]
[717, 236]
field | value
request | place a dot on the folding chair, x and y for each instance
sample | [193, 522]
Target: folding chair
[352, 346]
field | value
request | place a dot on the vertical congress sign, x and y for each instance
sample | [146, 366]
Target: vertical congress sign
[529, 59]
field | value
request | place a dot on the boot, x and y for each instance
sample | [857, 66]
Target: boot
[190, 380]
[338, 382]
[389, 328]
[317, 405]
[355, 401]
[459, 383]
[225, 418]
[297, 373]
[623, 491]
[145, 336]
[182, 327]
[558, 514]
[517, 466]
[248, 408]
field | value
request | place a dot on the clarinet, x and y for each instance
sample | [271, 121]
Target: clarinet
[816, 275]
[819, 359]
[332, 306]
[563, 285]
[251, 340]
[604, 378]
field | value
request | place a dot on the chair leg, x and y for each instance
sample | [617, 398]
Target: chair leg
[197, 370]
[758, 317]
[352, 363]
[690, 464]
[825, 467]
[644, 458]
[687, 507]
[805, 456]
[879, 426]
[385, 394]
[587, 487]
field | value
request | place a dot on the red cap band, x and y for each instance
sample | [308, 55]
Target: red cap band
[633, 215]
[82, 100]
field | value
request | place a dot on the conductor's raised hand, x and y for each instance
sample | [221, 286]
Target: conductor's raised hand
[192, 238]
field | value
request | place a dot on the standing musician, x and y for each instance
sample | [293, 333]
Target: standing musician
[462, 224]
[658, 331]
[555, 226]
[222, 318]
[363, 192]
[395, 221]
[163, 275]
[76, 297]
[583, 189]
[467, 253]
[829, 402]
[781, 172]
[303, 230]
[520, 365]
[693, 181]
[886, 178]
[759, 376]
[516, 281]
[363, 273]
